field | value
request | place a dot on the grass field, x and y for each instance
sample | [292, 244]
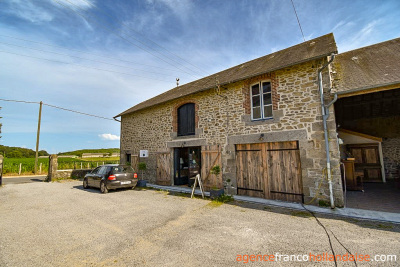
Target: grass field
[11, 166]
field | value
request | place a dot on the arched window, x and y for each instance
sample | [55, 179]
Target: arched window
[186, 119]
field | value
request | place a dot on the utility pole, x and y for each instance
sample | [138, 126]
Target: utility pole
[37, 136]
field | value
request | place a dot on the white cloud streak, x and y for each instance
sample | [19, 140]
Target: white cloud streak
[109, 137]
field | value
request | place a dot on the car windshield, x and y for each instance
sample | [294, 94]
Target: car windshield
[122, 169]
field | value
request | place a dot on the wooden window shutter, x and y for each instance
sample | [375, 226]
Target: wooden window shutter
[186, 119]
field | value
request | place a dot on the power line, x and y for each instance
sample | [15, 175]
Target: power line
[81, 51]
[80, 58]
[122, 37]
[298, 21]
[82, 113]
[57, 107]
[63, 62]
[126, 25]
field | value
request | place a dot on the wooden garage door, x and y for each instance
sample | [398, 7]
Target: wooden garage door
[284, 171]
[249, 170]
[163, 168]
[269, 170]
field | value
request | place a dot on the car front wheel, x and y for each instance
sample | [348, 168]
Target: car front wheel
[103, 188]
[85, 183]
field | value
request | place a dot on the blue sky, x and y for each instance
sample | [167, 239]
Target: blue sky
[103, 57]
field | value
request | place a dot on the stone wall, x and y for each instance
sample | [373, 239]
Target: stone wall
[391, 157]
[224, 119]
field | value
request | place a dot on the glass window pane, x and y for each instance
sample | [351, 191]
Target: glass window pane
[268, 111]
[256, 101]
[255, 89]
[267, 99]
[256, 113]
[266, 87]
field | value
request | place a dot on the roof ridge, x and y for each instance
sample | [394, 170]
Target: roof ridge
[370, 46]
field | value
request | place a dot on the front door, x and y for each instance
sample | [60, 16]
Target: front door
[187, 164]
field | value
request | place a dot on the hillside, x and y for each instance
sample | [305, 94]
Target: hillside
[19, 152]
[81, 151]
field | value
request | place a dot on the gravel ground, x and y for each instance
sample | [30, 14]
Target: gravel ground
[60, 224]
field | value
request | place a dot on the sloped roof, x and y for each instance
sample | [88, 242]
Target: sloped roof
[368, 67]
[303, 52]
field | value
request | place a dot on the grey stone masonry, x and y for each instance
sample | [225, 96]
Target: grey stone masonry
[224, 118]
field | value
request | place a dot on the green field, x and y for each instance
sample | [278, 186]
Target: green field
[11, 165]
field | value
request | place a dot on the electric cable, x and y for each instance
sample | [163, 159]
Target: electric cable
[126, 25]
[326, 231]
[98, 61]
[355, 262]
[122, 37]
[84, 52]
[57, 107]
[63, 62]
[298, 21]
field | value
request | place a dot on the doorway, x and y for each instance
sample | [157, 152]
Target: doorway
[187, 164]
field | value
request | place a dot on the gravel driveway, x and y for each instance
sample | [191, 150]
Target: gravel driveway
[60, 224]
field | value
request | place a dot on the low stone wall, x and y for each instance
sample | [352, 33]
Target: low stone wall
[67, 174]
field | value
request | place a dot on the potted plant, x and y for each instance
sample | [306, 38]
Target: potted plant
[215, 191]
[142, 167]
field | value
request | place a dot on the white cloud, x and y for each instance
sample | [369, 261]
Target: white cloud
[29, 11]
[82, 4]
[110, 137]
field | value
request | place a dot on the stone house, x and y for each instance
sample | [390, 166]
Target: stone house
[261, 122]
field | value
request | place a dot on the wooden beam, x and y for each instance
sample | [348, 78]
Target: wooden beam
[368, 91]
[361, 135]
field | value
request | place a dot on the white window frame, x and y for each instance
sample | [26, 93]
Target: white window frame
[260, 93]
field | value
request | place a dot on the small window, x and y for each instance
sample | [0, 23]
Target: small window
[261, 101]
[186, 119]
[122, 169]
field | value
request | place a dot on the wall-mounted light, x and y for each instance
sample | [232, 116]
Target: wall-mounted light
[261, 137]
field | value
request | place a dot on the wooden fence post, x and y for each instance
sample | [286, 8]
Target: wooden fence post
[40, 168]
[20, 168]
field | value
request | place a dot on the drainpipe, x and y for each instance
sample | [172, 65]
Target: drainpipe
[325, 116]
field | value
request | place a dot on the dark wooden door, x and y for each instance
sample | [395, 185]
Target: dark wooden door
[269, 170]
[210, 157]
[163, 168]
[367, 162]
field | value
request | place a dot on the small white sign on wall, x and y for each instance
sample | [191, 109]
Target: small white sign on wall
[144, 154]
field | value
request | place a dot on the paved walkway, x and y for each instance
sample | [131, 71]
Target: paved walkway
[342, 212]
[376, 196]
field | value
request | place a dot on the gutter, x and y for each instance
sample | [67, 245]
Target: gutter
[325, 116]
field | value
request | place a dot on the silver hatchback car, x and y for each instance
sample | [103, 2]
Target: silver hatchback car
[111, 176]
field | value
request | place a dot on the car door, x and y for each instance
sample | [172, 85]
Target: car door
[99, 175]
[92, 177]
